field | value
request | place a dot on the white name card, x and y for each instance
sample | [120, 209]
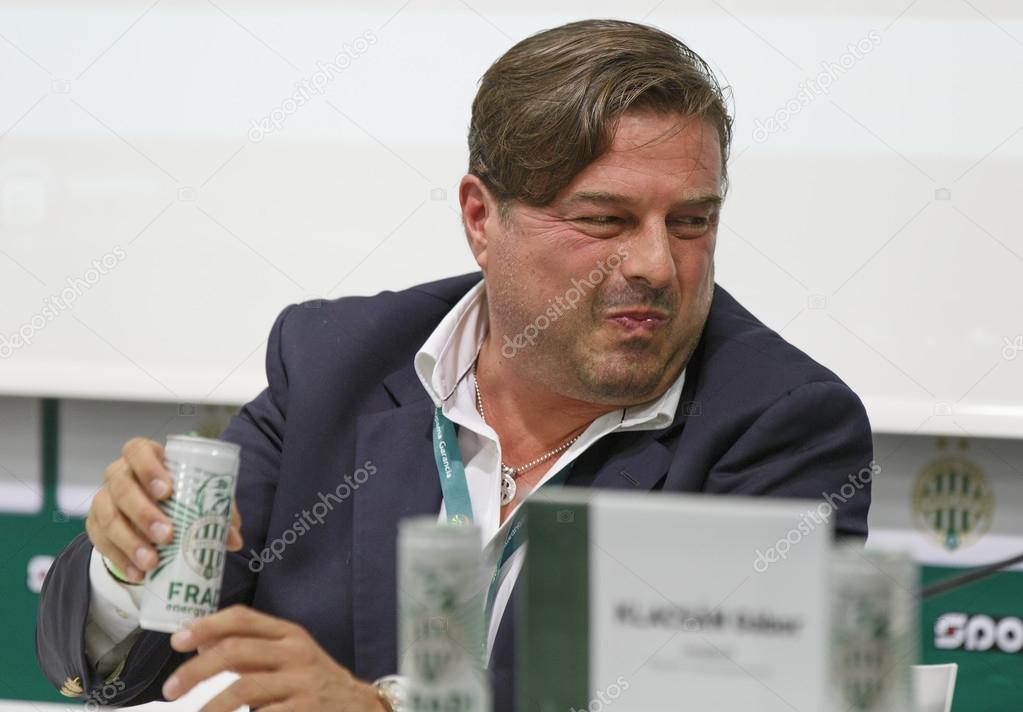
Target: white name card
[665, 602]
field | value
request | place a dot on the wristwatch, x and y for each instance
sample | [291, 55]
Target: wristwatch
[391, 691]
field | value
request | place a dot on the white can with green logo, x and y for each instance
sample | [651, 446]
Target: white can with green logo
[441, 594]
[185, 584]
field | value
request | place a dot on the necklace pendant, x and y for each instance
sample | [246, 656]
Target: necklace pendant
[508, 487]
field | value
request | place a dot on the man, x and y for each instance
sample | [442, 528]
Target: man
[597, 338]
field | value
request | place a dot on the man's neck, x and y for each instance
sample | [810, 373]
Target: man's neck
[529, 418]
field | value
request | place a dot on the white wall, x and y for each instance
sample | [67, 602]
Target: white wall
[878, 230]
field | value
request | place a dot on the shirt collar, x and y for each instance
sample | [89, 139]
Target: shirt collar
[451, 350]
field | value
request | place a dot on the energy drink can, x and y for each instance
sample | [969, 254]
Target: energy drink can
[185, 584]
[441, 589]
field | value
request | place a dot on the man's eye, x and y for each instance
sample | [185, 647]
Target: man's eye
[600, 219]
[687, 226]
[694, 225]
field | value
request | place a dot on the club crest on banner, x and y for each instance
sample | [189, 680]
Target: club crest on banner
[952, 500]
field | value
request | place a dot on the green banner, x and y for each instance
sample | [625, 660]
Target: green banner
[979, 627]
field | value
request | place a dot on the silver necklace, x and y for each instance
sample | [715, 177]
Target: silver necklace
[508, 473]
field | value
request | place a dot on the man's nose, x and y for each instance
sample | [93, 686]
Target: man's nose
[649, 256]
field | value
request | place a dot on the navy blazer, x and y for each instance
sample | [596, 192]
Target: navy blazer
[756, 417]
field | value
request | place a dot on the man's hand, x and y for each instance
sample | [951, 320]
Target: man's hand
[281, 667]
[124, 520]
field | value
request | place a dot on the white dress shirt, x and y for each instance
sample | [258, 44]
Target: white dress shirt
[444, 366]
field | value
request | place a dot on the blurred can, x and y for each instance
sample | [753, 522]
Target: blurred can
[874, 629]
[441, 596]
[185, 584]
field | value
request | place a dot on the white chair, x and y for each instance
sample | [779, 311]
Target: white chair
[933, 687]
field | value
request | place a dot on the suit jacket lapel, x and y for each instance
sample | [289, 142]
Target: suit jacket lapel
[629, 461]
[398, 443]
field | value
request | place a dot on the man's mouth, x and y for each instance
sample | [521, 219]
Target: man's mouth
[638, 320]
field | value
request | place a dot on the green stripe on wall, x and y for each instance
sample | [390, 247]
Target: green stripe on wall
[554, 654]
[50, 446]
[44, 533]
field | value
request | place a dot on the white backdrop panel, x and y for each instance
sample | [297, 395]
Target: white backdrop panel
[874, 225]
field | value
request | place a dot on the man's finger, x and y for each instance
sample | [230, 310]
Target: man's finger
[130, 542]
[255, 689]
[237, 620]
[138, 506]
[237, 654]
[107, 548]
[234, 537]
[234, 540]
[145, 457]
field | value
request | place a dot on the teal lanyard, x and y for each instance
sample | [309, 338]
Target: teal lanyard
[453, 484]
[458, 504]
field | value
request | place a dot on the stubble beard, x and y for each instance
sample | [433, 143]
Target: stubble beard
[563, 359]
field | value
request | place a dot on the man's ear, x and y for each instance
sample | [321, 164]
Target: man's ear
[480, 216]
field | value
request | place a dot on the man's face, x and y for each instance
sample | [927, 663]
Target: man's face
[601, 296]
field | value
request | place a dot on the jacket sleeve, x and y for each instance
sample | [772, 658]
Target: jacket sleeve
[813, 443]
[258, 428]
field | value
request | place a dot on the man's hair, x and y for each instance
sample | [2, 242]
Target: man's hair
[550, 105]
